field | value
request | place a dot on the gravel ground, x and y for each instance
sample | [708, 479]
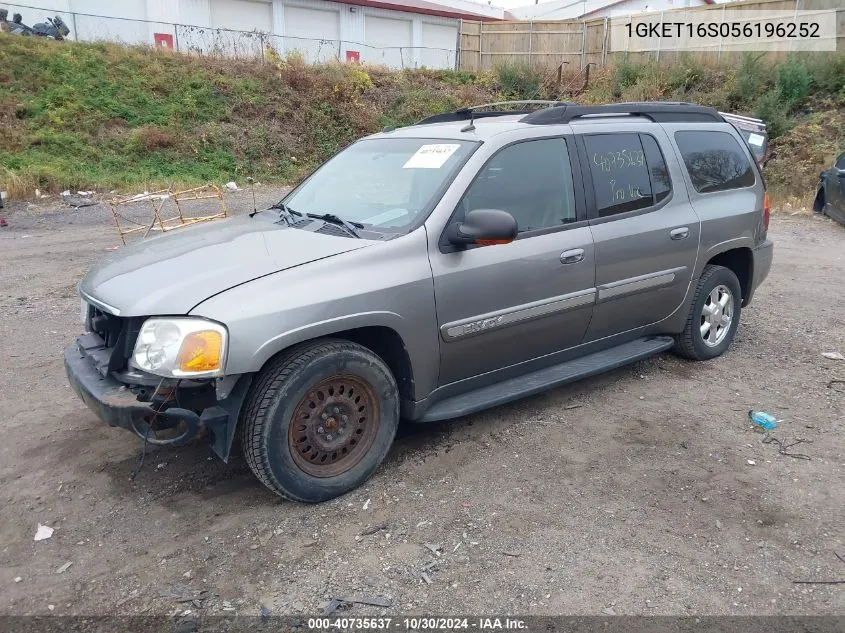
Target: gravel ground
[642, 491]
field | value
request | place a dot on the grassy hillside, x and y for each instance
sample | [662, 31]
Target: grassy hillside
[103, 116]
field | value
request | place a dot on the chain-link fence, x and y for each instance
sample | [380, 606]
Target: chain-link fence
[232, 43]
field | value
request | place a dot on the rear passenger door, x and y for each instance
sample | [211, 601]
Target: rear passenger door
[645, 232]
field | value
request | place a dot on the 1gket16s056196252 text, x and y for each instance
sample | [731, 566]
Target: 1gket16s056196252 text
[757, 30]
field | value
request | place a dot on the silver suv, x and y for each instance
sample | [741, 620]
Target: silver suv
[425, 273]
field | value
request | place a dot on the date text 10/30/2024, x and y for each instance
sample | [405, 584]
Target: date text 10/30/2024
[417, 624]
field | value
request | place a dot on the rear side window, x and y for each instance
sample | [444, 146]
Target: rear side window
[715, 161]
[840, 162]
[628, 172]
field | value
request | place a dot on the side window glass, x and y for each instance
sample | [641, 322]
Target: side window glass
[840, 162]
[661, 185]
[620, 173]
[531, 180]
[715, 161]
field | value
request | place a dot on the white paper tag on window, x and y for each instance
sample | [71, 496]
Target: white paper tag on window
[755, 139]
[431, 156]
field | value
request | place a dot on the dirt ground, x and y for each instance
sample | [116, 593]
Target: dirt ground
[642, 491]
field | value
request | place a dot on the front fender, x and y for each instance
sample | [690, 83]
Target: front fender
[385, 285]
[327, 327]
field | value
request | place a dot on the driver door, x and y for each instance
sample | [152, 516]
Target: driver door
[505, 304]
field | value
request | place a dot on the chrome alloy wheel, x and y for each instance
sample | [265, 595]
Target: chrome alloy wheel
[717, 316]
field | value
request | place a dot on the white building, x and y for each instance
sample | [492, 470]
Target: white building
[398, 33]
[590, 9]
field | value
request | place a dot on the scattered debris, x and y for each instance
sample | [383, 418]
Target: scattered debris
[332, 606]
[43, 532]
[840, 555]
[514, 554]
[783, 447]
[573, 406]
[3, 222]
[367, 504]
[373, 601]
[456, 547]
[434, 549]
[423, 523]
[232, 186]
[718, 524]
[310, 544]
[466, 504]
[373, 530]
[763, 420]
[833, 355]
[80, 200]
[608, 611]
[18, 579]
[64, 567]
[751, 462]
[818, 582]
[426, 578]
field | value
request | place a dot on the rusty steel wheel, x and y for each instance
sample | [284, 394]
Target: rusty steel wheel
[319, 419]
[333, 426]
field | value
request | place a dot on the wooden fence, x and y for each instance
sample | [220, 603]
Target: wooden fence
[574, 43]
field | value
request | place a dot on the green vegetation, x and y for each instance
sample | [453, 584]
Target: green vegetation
[103, 116]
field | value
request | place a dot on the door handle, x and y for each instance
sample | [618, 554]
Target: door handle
[572, 257]
[679, 234]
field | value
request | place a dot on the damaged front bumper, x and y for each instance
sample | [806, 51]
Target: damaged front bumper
[118, 405]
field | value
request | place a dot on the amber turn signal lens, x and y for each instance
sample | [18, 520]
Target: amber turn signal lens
[201, 351]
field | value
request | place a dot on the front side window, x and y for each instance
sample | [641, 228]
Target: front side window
[840, 162]
[386, 183]
[715, 161]
[531, 180]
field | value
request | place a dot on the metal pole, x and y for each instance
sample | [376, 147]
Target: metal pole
[604, 42]
[719, 54]
[176, 37]
[657, 57]
[75, 30]
[583, 43]
[530, 40]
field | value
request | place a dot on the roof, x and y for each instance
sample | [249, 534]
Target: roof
[569, 9]
[486, 124]
[458, 9]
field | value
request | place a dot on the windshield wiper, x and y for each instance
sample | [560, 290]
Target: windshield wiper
[334, 219]
[285, 212]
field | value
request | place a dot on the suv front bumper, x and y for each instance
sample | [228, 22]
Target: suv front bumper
[117, 405]
[109, 399]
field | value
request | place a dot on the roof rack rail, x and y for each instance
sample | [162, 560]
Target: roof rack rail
[470, 113]
[659, 111]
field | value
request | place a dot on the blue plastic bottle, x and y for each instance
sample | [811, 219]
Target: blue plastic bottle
[763, 420]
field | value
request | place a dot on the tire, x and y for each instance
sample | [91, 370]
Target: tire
[695, 344]
[319, 420]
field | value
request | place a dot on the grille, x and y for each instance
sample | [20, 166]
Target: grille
[105, 325]
[110, 339]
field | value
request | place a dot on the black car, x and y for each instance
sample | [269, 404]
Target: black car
[830, 198]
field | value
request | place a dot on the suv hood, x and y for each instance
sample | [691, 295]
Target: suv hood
[174, 272]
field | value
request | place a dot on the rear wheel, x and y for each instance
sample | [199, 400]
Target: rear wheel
[320, 420]
[714, 315]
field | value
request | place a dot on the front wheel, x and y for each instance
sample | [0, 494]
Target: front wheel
[320, 420]
[714, 315]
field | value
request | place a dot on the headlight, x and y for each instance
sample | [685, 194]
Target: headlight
[180, 348]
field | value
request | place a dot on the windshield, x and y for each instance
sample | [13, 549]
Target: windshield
[385, 183]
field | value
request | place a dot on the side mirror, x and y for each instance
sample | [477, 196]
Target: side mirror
[485, 227]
